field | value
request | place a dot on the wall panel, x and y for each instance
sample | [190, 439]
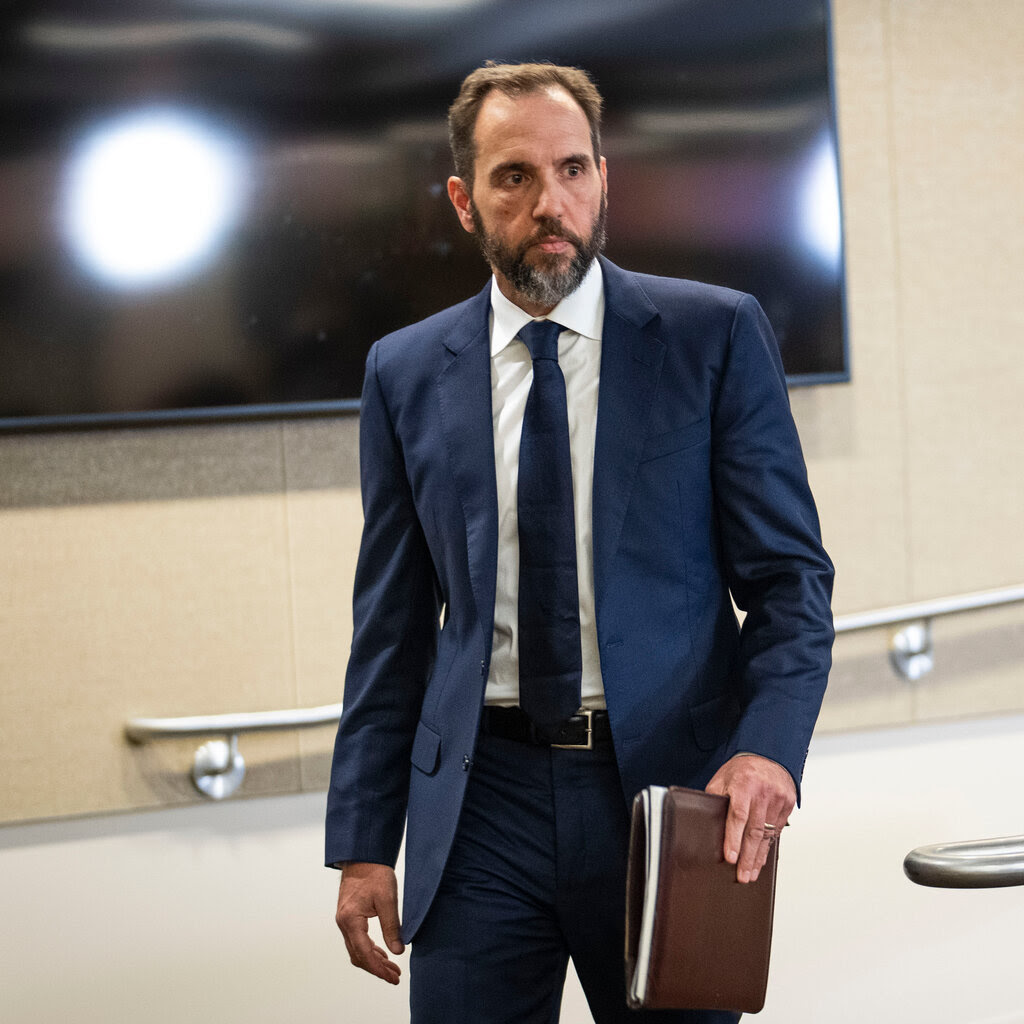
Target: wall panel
[854, 434]
[958, 146]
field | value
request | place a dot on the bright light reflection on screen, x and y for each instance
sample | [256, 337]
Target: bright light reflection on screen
[822, 224]
[151, 196]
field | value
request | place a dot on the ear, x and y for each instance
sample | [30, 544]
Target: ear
[604, 175]
[459, 195]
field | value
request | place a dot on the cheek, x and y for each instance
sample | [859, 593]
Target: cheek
[506, 209]
[587, 210]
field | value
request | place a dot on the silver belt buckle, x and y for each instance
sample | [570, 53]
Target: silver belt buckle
[588, 714]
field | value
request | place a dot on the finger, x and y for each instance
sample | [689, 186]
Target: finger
[764, 852]
[389, 924]
[356, 932]
[775, 819]
[379, 964]
[382, 966]
[364, 953]
[735, 824]
[753, 838]
[763, 849]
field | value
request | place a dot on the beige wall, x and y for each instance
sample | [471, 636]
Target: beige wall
[915, 464]
[192, 570]
[164, 572]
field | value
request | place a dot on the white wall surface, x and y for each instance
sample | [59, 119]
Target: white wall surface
[222, 912]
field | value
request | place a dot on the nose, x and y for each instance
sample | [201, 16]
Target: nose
[550, 199]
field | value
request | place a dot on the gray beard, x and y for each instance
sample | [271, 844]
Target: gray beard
[546, 283]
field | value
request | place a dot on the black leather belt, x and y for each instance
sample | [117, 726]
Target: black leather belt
[580, 732]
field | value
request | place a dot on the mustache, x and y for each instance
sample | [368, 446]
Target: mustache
[552, 228]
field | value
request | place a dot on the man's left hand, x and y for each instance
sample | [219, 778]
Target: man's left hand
[760, 793]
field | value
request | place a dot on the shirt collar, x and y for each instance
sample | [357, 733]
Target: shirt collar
[581, 312]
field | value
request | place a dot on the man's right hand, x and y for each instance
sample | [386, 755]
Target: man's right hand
[370, 890]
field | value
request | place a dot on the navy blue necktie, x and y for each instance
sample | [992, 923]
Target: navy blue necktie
[550, 658]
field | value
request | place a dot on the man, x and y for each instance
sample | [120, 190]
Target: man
[687, 485]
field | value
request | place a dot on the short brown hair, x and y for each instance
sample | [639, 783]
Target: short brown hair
[515, 80]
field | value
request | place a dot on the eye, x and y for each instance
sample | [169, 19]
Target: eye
[574, 170]
[515, 178]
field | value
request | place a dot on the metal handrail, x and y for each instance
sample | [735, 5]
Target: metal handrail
[218, 768]
[974, 864]
[143, 730]
[911, 652]
[922, 610]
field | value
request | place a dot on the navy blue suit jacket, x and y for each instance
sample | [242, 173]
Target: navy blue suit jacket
[700, 491]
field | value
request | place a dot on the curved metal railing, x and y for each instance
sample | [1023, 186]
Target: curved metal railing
[973, 864]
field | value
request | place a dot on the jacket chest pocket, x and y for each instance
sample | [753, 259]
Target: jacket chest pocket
[668, 443]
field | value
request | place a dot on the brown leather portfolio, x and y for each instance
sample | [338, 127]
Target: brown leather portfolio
[695, 937]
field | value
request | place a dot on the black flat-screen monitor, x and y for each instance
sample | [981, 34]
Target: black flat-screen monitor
[211, 208]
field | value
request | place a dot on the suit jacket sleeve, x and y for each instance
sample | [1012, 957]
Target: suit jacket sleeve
[777, 571]
[396, 608]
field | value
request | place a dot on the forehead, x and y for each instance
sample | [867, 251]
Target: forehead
[536, 126]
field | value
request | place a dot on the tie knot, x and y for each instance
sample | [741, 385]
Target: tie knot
[541, 338]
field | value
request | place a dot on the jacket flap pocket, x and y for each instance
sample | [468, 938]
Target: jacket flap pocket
[426, 749]
[676, 440]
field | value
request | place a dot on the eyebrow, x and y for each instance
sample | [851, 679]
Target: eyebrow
[580, 158]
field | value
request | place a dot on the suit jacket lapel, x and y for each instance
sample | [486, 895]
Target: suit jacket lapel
[631, 358]
[464, 390]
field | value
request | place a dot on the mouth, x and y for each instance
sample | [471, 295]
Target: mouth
[553, 244]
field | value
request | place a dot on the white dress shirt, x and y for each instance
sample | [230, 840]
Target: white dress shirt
[579, 356]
